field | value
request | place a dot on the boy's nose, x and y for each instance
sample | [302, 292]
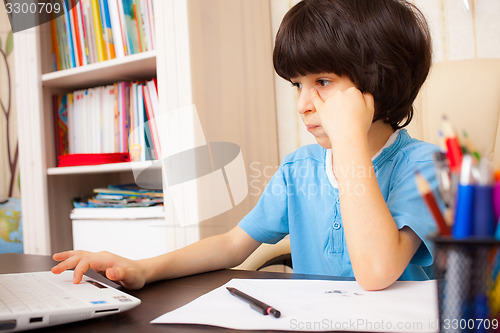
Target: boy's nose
[304, 103]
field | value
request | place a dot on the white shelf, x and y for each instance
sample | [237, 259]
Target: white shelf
[130, 68]
[101, 168]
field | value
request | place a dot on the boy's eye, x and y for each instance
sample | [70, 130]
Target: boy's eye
[297, 85]
[323, 82]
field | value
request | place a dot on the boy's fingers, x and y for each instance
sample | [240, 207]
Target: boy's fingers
[62, 255]
[67, 264]
[80, 269]
[316, 98]
[116, 274]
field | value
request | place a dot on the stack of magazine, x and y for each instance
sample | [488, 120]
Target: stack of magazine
[119, 202]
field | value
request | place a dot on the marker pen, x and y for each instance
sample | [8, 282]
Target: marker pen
[464, 212]
[496, 195]
[484, 219]
[255, 304]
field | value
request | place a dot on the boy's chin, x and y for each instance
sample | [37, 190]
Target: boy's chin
[324, 142]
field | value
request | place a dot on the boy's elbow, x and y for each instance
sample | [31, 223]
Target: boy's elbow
[371, 284]
[376, 277]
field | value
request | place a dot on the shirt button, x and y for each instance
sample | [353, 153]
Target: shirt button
[336, 226]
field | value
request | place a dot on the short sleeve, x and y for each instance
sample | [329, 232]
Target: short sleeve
[267, 222]
[409, 209]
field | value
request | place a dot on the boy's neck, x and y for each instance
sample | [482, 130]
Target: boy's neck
[378, 134]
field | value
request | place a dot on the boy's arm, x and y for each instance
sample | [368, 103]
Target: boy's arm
[378, 250]
[212, 253]
[217, 252]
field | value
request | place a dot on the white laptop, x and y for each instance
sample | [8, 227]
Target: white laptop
[33, 300]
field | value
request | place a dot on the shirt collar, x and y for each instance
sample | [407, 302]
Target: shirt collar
[329, 161]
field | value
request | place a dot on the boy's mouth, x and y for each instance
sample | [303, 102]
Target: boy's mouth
[312, 127]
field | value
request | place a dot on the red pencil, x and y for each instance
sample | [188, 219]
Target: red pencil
[425, 191]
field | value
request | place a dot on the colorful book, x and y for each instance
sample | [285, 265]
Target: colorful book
[155, 139]
[138, 25]
[116, 28]
[130, 22]
[81, 27]
[71, 123]
[148, 23]
[56, 61]
[69, 34]
[141, 122]
[75, 34]
[96, 15]
[60, 124]
[124, 31]
[107, 31]
[90, 35]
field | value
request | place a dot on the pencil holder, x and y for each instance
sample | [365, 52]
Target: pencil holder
[467, 271]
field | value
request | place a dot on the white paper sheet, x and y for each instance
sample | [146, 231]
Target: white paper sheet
[316, 305]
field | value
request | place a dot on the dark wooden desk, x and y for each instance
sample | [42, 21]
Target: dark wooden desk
[157, 298]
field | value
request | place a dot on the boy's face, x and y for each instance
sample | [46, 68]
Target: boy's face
[327, 84]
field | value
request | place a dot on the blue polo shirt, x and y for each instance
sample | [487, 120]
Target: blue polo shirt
[301, 201]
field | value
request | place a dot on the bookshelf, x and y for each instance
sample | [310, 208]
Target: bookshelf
[208, 53]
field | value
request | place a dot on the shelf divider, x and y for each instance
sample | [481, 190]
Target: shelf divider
[140, 66]
[101, 168]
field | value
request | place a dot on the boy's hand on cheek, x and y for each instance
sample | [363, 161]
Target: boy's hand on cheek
[346, 114]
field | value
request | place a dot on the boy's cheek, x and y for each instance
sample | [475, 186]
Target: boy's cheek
[325, 94]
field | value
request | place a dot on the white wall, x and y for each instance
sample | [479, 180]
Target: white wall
[457, 33]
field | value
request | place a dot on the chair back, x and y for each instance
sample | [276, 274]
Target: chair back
[468, 92]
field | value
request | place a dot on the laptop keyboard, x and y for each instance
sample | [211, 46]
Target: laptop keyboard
[30, 292]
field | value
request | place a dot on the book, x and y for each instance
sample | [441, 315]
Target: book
[90, 35]
[141, 120]
[56, 57]
[69, 34]
[61, 124]
[75, 31]
[124, 31]
[107, 30]
[116, 28]
[152, 123]
[136, 11]
[96, 15]
[149, 23]
[83, 33]
[92, 159]
[130, 23]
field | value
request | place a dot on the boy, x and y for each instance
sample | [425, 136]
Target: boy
[357, 66]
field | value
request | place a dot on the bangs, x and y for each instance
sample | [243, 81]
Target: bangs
[306, 44]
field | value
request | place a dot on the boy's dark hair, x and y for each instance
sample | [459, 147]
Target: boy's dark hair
[383, 46]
